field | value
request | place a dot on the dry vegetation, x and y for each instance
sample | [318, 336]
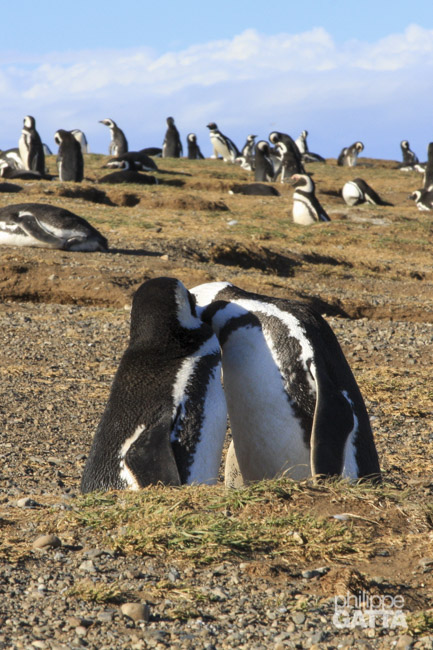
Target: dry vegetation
[369, 271]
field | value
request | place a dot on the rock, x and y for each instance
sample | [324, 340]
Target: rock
[136, 611]
[47, 541]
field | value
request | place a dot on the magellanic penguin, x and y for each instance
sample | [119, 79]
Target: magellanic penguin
[166, 416]
[349, 155]
[128, 173]
[172, 146]
[423, 199]
[306, 155]
[222, 145]
[138, 160]
[410, 159]
[70, 162]
[81, 138]
[288, 154]
[428, 174]
[118, 143]
[294, 406]
[11, 158]
[31, 148]
[47, 226]
[254, 189]
[194, 152]
[246, 157]
[358, 191]
[264, 170]
[306, 207]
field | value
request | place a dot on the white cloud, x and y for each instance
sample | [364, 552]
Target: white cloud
[251, 82]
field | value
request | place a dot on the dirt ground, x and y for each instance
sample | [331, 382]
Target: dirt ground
[64, 325]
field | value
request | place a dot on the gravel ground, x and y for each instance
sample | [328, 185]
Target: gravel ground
[57, 363]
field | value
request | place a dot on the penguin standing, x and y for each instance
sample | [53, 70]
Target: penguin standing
[222, 145]
[47, 226]
[118, 143]
[264, 165]
[30, 147]
[172, 146]
[81, 138]
[70, 161]
[294, 406]
[349, 155]
[306, 207]
[193, 148]
[358, 191]
[428, 174]
[410, 159]
[166, 416]
[246, 158]
[288, 154]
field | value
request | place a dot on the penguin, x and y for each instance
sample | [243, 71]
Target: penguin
[166, 416]
[139, 159]
[10, 188]
[306, 207]
[428, 173]
[128, 174]
[294, 406]
[81, 138]
[409, 157]
[222, 145]
[423, 199]
[118, 143]
[193, 148]
[70, 162]
[246, 158]
[30, 147]
[288, 154]
[255, 189]
[11, 158]
[152, 151]
[358, 191]
[349, 155]
[22, 174]
[172, 146]
[306, 155]
[47, 226]
[264, 170]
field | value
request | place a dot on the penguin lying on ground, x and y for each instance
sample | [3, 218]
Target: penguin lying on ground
[349, 155]
[306, 207]
[70, 162]
[423, 199]
[222, 145]
[47, 226]
[294, 406]
[257, 189]
[166, 416]
[358, 191]
[128, 174]
[138, 160]
[118, 143]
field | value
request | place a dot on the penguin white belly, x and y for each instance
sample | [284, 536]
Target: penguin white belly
[268, 437]
[352, 195]
[15, 237]
[302, 213]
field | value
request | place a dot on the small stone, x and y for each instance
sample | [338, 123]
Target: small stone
[136, 611]
[404, 642]
[88, 566]
[298, 618]
[47, 541]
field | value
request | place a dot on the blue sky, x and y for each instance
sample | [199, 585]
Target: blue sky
[341, 69]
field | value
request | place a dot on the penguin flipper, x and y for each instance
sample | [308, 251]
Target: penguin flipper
[150, 458]
[33, 227]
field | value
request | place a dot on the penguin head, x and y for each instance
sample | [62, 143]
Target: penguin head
[59, 136]
[263, 147]
[251, 138]
[415, 196]
[170, 121]
[29, 122]
[359, 146]
[404, 144]
[274, 137]
[191, 137]
[212, 126]
[302, 181]
[108, 122]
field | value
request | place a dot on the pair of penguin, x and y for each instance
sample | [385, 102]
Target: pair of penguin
[294, 406]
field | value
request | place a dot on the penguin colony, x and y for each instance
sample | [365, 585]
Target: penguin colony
[294, 406]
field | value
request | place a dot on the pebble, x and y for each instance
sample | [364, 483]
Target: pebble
[47, 541]
[136, 611]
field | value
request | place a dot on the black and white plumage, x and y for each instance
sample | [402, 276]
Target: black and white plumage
[294, 405]
[70, 162]
[410, 159]
[264, 170]
[358, 191]
[246, 158]
[138, 160]
[166, 415]
[11, 158]
[428, 174]
[80, 136]
[172, 145]
[222, 145]
[349, 155]
[306, 207]
[254, 189]
[30, 147]
[287, 153]
[128, 173]
[194, 152]
[423, 199]
[118, 142]
[306, 154]
[47, 226]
